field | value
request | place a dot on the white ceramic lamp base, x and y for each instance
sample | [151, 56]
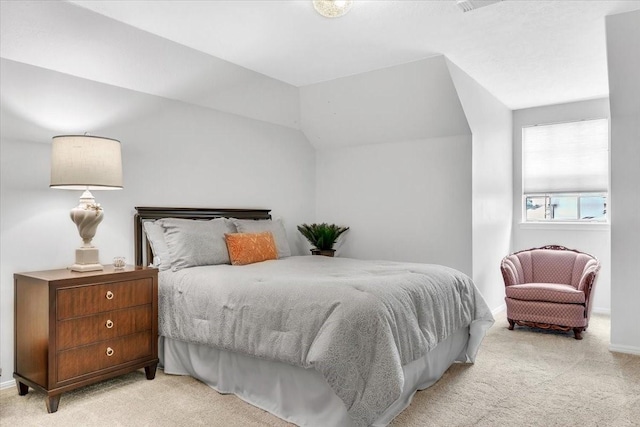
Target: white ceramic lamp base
[87, 215]
[87, 259]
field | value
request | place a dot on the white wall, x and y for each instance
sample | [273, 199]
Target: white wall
[492, 182]
[590, 238]
[404, 201]
[394, 163]
[174, 153]
[623, 52]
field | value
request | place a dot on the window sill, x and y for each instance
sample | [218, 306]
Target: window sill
[583, 226]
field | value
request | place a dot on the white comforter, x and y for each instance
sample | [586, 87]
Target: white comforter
[357, 322]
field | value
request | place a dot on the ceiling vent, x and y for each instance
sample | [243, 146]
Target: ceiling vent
[469, 5]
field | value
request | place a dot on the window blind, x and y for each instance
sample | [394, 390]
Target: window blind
[566, 157]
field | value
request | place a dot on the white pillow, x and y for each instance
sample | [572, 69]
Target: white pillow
[155, 236]
[197, 242]
[275, 227]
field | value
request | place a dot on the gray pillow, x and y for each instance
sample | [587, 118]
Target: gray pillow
[155, 236]
[197, 242]
[275, 227]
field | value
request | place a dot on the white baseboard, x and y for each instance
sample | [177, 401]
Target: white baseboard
[499, 309]
[7, 384]
[600, 310]
[624, 349]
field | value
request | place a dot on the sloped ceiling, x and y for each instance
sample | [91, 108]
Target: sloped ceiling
[402, 103]
[525, 52]
[405, 102]
[63, 37]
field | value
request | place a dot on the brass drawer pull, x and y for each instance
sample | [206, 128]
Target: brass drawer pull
[109, 295]
[110, 351]
[109, 324]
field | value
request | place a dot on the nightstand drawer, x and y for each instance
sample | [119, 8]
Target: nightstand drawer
[83, 360]
[85, 300]
[103, 326]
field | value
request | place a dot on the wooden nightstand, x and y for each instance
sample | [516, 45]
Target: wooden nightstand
[73, 329]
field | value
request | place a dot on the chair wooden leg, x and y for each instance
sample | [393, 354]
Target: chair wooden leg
[578, 333]
[511, 324]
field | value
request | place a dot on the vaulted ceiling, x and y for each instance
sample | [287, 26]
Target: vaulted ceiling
[527, 53]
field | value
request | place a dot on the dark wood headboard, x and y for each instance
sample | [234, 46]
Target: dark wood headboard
[142, 247]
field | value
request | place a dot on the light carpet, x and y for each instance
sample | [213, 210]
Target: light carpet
[523, 377]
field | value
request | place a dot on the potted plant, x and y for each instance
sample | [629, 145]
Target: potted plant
[322, 237]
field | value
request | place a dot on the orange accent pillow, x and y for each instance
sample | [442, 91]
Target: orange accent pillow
[247, 248]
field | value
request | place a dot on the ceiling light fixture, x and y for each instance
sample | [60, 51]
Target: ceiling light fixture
[332, 8]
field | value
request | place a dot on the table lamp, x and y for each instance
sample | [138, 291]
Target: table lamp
[83, 162]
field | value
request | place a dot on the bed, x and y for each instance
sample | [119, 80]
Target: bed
[314, 340]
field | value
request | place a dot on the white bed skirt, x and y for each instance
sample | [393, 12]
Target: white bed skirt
[298, 395]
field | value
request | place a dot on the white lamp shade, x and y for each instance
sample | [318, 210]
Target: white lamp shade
[82, 162]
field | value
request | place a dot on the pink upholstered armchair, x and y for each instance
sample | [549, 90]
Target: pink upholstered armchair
[550, 287]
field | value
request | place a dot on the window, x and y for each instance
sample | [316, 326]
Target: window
[566, 207]
[565, 171]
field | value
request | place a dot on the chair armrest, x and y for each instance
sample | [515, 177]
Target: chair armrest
[509, 273]
[588, 278]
